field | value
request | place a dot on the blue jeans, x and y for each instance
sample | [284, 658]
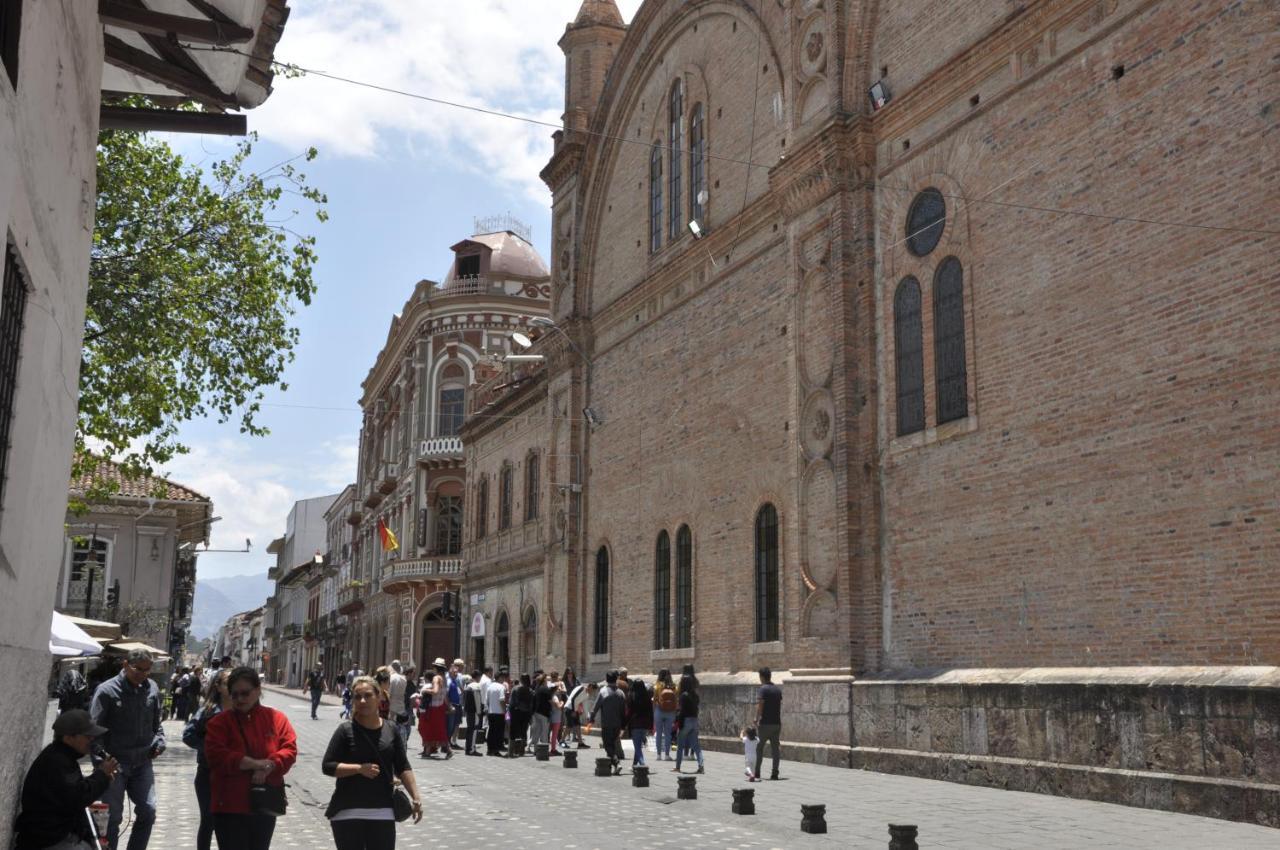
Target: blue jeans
[662, 721]
[638, 737]
[139, 782]
[689, 741]
[315, 702]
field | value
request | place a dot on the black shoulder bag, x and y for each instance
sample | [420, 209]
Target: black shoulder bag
[264, 799]
[401, 805]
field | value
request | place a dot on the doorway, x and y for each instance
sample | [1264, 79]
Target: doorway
[437, 638]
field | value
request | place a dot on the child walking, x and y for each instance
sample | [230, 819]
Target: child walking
[749, 744]
[346, 703]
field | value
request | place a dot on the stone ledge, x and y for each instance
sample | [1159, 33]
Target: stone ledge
[1234, 677]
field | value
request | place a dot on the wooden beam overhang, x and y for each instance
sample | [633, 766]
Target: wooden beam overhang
[145, 21]
[136, 61]
[171, 121]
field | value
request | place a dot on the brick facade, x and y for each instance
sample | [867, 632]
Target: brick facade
[1103, 494]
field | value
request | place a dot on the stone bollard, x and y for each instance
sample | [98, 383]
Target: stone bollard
[902, 837]
[813, 818]
[744, 801]
[640, 776]
[542, 752]
[604, 767]
[688, 788]
[571, 758]
[517, 748]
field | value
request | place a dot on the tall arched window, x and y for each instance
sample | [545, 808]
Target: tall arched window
[482, 507]
[504, 497]
[600, 643]
[451, 403]
[503, 637]
[908, 356]
[684, 587]
[948, 341]
[662, 592]
[448, 525]
[529, 641]
[655, 196]
[767, 574]
[531, 486]
[697, 165]
[675, 141]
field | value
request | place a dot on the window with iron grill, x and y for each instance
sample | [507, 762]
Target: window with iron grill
[908, 345]
[655, 197]
[662, 592]
[448, 525]
[504, 498]
[925, 221]
[948, 341]
[10, 30]
[450, 412]
[697, 165]
[767, 574]
[600, 643]
[531, 486]
[675, 139]
[684, 587]
[13, 309]
[482, 508]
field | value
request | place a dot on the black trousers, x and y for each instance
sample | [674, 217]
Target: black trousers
[243, 832]
[471, 732]
[612, 746]
[497, 728]
[364, 834]
[520, 726]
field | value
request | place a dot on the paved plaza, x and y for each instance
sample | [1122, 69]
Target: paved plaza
[499, 803]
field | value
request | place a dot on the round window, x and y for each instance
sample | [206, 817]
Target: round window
[925, 220]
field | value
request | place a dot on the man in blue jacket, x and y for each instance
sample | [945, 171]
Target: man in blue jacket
[129, 708]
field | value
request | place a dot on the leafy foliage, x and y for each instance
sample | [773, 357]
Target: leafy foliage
[194, 280]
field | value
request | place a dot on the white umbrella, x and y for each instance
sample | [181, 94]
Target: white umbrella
[66, 638]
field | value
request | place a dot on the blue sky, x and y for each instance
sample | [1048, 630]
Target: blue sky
[405, 179]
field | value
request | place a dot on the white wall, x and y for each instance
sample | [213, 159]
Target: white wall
[48, 132]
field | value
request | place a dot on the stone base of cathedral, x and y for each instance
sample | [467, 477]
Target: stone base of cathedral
[1197, 740]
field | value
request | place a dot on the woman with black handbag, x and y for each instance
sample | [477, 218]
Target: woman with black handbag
[365, 754]
[249, 750]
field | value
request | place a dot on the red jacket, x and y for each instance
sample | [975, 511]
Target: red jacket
[268, 734]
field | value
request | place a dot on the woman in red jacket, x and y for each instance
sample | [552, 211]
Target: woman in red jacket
[250, 745]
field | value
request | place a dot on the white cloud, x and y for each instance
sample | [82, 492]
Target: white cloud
[335, 464]
[495, 54]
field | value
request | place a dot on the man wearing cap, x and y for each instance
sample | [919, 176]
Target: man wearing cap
[128, 707]
[55, 793]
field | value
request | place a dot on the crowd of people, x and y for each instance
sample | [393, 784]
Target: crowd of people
[244, 749]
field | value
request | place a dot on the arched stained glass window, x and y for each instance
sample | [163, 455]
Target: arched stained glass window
[662, 592]
[684, 587]
[655, 196]
[767, 574]
[948, 341]
[675, 176]
[925, 221]
[697, 165]
[600, 643]
[908, 344]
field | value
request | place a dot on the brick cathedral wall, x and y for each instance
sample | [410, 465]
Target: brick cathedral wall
[1116, 501]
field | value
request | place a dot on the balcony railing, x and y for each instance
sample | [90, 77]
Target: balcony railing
[440, 448]
[291, 630]
[387, 480]
[470, 285]
[399, 573]
[508, 540]
[351, 598]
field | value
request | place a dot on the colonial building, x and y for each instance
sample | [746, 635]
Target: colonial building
[131, 559]
[333, 629]
[293, 610]
[931, 360]
[411, 475]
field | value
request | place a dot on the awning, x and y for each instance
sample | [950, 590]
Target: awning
[66, 638]
[131, 645]
[100, 629]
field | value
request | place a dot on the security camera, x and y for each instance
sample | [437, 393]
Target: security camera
[695, 229]
[593, 418]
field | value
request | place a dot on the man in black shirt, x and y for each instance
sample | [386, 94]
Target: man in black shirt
[769, 720]
[55, 793]
[611, 705]
[541, 712]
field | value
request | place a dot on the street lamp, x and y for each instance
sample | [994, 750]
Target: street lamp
[594, 419]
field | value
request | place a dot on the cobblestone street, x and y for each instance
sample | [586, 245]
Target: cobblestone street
[525, 803]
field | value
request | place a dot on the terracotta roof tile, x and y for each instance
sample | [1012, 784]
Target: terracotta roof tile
[146, 486]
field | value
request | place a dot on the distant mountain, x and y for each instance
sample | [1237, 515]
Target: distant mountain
[219, 598]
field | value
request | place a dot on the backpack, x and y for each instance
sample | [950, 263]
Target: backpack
[667, 699]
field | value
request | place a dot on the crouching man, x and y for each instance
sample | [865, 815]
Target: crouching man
[56, 793]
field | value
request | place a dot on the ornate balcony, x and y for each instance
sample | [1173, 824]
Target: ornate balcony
[401, 575]
[351, 597]
[387, 480]
[291, 631]
[372, 496]
[356, 514]
[440, 451]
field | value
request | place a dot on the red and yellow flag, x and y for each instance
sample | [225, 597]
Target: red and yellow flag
[389, 543]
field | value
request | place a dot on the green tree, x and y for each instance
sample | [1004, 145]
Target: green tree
[193, 282]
